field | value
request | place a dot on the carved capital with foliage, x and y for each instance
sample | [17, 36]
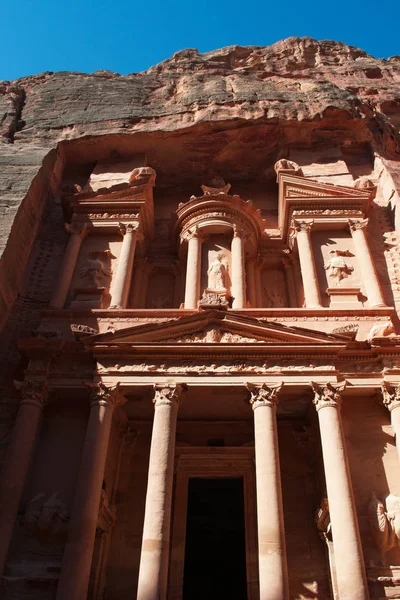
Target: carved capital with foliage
[390, 396]
[263, 395]
[33, 393]
[103, 395]
[327, 395]
[167, 395]
[355, 225]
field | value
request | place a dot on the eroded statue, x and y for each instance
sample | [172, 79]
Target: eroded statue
[94, 271]
[385, 523]
[46, 517]
[337, 267]
[217, 275]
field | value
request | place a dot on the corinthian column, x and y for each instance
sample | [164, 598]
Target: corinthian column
[78, 552]
[193, 269]
[153, 572]
[366, 264]
[238, 273]
[68, 265]
[350, 570]
[306, 256]
[18, 458]
[122, 282]
[272, 563]
[391, 399]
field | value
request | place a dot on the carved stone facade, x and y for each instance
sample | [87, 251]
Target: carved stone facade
[199, 344]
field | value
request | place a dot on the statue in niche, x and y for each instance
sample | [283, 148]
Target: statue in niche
[337, 267]
[217, 275]
[46, 517]
[94, 271]
[385, 523]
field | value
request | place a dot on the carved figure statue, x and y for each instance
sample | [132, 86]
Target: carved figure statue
[217, 274]
[287, 165]
[337, 267]
[380, 330]
[94, 271]
[385, 525]
[46, 517]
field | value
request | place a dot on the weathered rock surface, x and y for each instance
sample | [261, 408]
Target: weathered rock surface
[233, 107]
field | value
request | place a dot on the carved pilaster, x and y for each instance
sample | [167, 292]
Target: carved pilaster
[263, 395]
[327, 395]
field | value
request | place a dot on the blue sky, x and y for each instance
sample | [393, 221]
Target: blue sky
[130, 36]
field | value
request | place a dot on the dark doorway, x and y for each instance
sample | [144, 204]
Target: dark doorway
[215, 554]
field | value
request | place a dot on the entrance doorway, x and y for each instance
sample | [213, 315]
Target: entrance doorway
[215, 549]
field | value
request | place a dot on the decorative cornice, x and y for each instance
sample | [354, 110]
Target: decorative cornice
[327, 395]
[390, 396]
[263, 395]
[168, 395]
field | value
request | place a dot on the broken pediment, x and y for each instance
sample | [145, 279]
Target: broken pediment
[214, 327]
[312, 199]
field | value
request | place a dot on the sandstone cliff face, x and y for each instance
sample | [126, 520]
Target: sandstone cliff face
[236, 109]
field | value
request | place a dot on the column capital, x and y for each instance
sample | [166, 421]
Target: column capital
[297, 226]
[103, 395]
[80, 229]
[390, 396]
[125, 228]
[355, 224]
[239, 232]
[33, 393]
[194, 233]
[168, 394]
[263, 395]
[327, 394]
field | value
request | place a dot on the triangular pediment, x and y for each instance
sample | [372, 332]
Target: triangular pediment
[213, 327]
[300, 187]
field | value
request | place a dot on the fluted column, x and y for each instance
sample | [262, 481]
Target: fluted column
[238, 273]
[18, 459]
[251, 282]
[272, 562]
[368, 272]
[122, 283]
[153, 572]
[77, 233]
[391, 399]
[307, 264]
[350, 570]
[193, 268]
[78, 552]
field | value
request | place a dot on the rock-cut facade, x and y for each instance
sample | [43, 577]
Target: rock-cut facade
[200, 339]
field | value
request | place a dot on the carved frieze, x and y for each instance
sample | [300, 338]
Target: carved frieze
[385, 522]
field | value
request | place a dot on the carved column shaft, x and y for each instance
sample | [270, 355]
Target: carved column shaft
[153, 572]
[290, 282]
[366, 264]
[137, 286]
[391, 399]
[350, 570]
[307, 264]
[17, 460]
[68, 265]
[78, 552]
[272, 565]
[259, 295]
[193, 270]
[122, 282]
[238, 272]
[251, 283]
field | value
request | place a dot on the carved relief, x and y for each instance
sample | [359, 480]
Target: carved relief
[46, 518]
[323, 520]
[274, 288]
[385, 523]
[95, 272]
[217, 273]
[287, 165]
[337, 267]
[107, 515]
[380, 330]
